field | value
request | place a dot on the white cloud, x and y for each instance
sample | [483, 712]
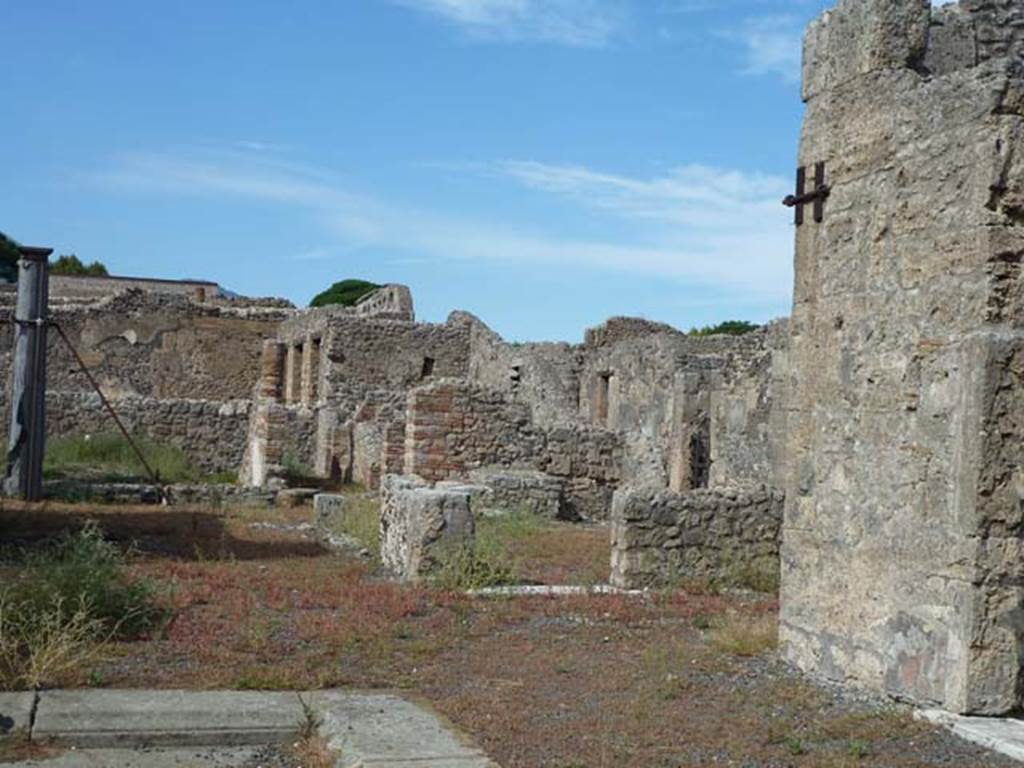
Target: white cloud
[773, 46]
[581, 23]
[710, 228]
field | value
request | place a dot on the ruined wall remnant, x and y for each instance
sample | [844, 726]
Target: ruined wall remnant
[725, 534]
[212, 434]
[454, 427]
[902, 548]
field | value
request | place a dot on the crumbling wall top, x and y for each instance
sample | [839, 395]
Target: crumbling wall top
[858, 37]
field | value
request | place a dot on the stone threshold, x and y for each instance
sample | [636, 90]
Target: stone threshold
[1000, 734]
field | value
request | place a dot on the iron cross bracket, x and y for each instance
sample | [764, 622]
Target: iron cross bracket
[802, 197]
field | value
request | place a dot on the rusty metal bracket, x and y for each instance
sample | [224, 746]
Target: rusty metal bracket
[818, 195]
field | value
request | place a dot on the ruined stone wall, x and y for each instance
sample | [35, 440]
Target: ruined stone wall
[453, 428]
[660, 538]
[747, 414]
[654, 385]
[544, 376]
[358, 357]
[212, 434]
[902, 554]
[160, 346]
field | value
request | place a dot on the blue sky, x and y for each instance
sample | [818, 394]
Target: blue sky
[544, 164]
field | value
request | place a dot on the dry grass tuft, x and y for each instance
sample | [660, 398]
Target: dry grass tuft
[49, 646]
[311, 748]
[744, 635]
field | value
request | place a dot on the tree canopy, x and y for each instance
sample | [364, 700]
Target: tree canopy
[728, 328]
[72, 265]
[8, 259]
[345, 293]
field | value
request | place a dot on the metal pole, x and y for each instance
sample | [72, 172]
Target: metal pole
[27, 436]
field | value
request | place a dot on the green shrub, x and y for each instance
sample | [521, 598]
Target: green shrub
[728, 328]
[490, 560]
[70, 599]
[111, 456]
[84, 568]
[468, 566]
[346, 293]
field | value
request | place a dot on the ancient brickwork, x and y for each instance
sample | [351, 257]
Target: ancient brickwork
[661, 537]
[903, 530]
[454, 427]
[212, 434]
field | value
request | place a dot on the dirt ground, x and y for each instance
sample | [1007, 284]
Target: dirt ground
[670, 679]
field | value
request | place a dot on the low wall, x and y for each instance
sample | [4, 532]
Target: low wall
[661, 537]
[211, 433]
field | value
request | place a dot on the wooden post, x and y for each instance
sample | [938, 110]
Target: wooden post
[27, 437]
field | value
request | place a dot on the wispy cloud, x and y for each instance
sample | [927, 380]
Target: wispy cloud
[708, 228]
[772, 45]
[580, 23]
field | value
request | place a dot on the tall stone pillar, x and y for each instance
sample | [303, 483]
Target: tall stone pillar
[903, 543]
[272, 365]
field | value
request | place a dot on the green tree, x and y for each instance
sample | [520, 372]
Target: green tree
[72, 265]
[8, 259]
[728, 328]
[346, 293]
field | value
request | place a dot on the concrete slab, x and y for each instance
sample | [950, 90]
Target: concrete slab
[1002, 735]
[98, 718]
[239, 757]
[385, 731]
[16, 712]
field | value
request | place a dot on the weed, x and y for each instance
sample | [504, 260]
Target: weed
[71, 599]
[109, 456]
[757, 576]
[665, 667]
[43, 645]
[472, 566]
[793, 745]
[360, 521]
[744, 635]
[84, 569]
[312, 749]
[858, 749]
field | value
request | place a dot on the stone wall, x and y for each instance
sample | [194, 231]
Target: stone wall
[545, 376]
[902, 554]
[358, 357]
[212, 434]
[660, 538]
[654, 384]
[453, 428]
[142, 344]
[747, 414]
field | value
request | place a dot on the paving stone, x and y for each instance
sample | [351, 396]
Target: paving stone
[92, 718]
[15, 712]
[383, 730]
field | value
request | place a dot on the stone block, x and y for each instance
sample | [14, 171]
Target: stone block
[418, 521]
